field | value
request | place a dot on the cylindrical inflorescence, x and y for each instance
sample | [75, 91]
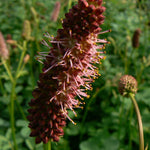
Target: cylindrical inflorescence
[68, 68]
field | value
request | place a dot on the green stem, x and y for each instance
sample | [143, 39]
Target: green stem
[140, 126]
[12, 96]
[1, 87]
[69, 4]
[47, 146]
[21, 59]
[12, 119]
[8, 70]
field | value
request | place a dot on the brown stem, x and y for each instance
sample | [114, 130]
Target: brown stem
[140, 126]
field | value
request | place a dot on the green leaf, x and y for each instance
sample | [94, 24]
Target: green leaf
[3, 138]
[144, 96]
[89, 145]
[5, 76]
[5, 143]
[4, 123]
[5, 99]
[29, 144]
[25, 132]
[8, 86]
[111, 143]
[22, 73]
[21, 123]
[18, 89]
[146, 124]
[1, 122]
[72, 129]
[8, 133]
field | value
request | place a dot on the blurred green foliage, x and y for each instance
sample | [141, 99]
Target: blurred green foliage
[108, 120]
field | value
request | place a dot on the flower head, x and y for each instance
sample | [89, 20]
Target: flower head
[68, 67]
[127, 84]
[136, 38]
[4, 53]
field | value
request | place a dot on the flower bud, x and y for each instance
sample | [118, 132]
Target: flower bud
[4, 53]
[127, 84]
[35, 14]
[26, 30]
[136, 37]
[26, 58]
[55, 12]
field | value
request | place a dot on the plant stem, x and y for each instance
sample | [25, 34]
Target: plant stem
[12, 119]
[8, 70]
[21, 59]
[47, 146]
[12, 96]
[1, 87]
[140, 126]
[69, 4]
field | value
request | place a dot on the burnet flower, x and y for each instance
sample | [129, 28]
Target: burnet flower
[127, 85]
[4, 52]
[68, 69]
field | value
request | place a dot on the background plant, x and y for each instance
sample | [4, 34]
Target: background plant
[107, 119]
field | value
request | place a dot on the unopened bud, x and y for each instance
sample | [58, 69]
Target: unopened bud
[55, 12]
[127, 84]
[26, 30]
[4, 53]
[135, 38]
[34, 13]
[8, 37]
[12, 42]
[26, 58]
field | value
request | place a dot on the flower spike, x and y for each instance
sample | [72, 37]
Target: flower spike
[68, 69]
